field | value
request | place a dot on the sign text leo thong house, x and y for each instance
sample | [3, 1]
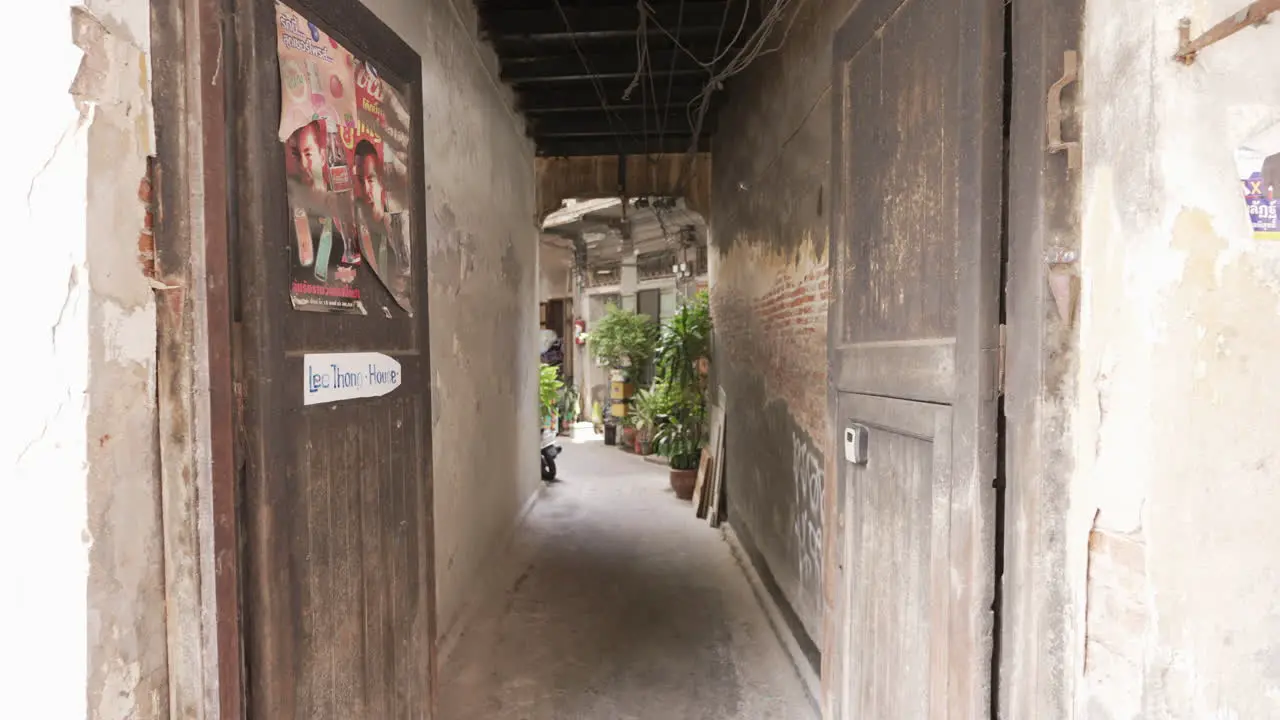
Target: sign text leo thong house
[331, 377]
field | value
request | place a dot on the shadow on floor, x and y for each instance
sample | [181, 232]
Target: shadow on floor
[625, 606]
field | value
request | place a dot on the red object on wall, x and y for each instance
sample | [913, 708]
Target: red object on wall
[579, 332]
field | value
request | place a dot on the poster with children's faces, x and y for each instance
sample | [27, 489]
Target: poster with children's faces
[381, 171]
[346, 138]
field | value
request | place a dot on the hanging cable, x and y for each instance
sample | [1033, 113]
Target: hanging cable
[595, 82]
[671, 77]
[751, 51]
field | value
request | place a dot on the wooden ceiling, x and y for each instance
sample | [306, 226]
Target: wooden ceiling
[590, 81]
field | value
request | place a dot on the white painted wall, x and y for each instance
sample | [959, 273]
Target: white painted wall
[482, 246]
[1176, 506]
[81, 580]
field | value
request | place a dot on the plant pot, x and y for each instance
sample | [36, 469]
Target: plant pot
[629, 437]
[683, 482]
[642, 446]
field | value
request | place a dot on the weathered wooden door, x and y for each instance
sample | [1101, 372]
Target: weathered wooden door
[337, 515]
[914, 326]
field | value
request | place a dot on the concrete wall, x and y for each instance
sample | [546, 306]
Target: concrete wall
[1175, 501]
[82, 598]
[482, 247]
[769, 299]
[555, 272]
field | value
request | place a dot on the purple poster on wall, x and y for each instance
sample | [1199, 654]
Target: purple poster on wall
[1257, 177]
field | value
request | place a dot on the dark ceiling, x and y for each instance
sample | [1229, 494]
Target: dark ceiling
[571, 63]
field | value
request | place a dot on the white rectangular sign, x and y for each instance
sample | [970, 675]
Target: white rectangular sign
[331, 377]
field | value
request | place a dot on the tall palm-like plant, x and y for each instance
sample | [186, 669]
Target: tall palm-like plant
[685, 341]
[680, 435]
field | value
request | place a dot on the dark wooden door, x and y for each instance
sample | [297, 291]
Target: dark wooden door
[338, 539]
[915, 252]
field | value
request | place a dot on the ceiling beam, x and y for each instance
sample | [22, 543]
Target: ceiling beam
[600, 145]
[616, 64]
[598, 123]
[603, 22]
[701, 42]
[571, 96]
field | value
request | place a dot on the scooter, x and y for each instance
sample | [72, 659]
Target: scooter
[550, 449]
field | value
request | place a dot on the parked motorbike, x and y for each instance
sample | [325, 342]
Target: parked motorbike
[550, 449]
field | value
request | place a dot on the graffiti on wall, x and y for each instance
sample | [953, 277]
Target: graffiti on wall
[807, 470]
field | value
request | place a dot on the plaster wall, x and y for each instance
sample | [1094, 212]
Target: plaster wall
[769, 233]
[82, 605]
[555, 272]
[1173, 510]
[482, 264]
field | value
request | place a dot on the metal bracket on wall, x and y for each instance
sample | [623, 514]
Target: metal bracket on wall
[1053, 110]
[1255, 14]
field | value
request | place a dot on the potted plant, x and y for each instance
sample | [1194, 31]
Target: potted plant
[568, 407]
[681, 426]
[679, 438]
[624, 341]
[549, 386]
[628, 425]
[645, 408]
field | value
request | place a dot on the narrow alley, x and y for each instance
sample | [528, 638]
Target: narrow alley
[908, 357]
[619, 604]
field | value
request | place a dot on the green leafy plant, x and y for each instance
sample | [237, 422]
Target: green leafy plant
[646, 407]
[623, 337]
[549, 385]
[685, 339]
[680, 431]
[679, 436]
[568, 403]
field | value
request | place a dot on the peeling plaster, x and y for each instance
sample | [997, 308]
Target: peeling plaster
[482, 281]
[1173, 510]
[82, 621]
[130, 334]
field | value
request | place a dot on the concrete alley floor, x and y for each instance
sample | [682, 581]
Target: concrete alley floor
[624, 605]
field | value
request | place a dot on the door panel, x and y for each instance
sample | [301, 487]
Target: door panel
[901, 499]
[913, 327]
[339, 586]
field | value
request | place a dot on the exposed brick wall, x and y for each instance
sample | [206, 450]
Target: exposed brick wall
[782, 335]
[772, 151]
[770, 311]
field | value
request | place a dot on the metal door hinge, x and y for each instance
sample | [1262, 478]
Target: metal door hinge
[1053, 111]
[1000, 361]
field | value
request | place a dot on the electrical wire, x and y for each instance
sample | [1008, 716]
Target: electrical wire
[753, 49]
[671, 75]
[595, 82]
[705, 64]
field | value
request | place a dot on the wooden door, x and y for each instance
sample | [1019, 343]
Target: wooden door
[915, 253]
[338, 539]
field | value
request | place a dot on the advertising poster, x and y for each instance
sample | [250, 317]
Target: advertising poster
[380, 163]
[346, 142]
[1256, 174]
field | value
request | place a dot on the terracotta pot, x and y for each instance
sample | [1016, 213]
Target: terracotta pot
[683, 482]
[629, 437]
